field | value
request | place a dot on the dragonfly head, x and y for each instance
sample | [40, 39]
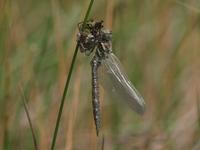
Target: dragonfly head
[92, 37]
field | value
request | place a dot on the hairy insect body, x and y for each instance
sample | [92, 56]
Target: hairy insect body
[93, 38]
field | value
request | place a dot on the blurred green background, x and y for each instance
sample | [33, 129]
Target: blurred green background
[158, 43]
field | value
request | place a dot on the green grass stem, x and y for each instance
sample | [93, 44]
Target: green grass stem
[24, 99]
[68, 81]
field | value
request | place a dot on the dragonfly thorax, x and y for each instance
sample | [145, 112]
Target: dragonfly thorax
[92, 37]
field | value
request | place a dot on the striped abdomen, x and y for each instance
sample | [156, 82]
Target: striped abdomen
[95, 93]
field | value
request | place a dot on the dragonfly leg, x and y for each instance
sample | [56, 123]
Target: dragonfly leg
[95, 63]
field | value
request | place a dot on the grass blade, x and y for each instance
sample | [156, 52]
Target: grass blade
[67, 82]
[198, 109]
[24, 99]
[103, 143]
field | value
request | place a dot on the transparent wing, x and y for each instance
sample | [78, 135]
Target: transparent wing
[116, 81]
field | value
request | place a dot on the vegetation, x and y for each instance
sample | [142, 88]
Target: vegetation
[158, 44]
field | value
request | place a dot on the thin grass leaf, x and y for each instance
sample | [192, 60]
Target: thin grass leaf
[24, 99]
[198, 108]
[103, 143]
[68, 81]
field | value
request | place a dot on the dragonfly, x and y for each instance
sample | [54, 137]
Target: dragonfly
[93, 39]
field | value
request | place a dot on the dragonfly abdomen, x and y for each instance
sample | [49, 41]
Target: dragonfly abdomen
[95, 63]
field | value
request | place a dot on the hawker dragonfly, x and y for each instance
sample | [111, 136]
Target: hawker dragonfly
[94, 39]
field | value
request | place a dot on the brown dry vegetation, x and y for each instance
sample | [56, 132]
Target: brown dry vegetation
[157, 41]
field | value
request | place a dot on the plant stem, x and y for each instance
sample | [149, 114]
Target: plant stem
[24, 100]
[68, 81]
